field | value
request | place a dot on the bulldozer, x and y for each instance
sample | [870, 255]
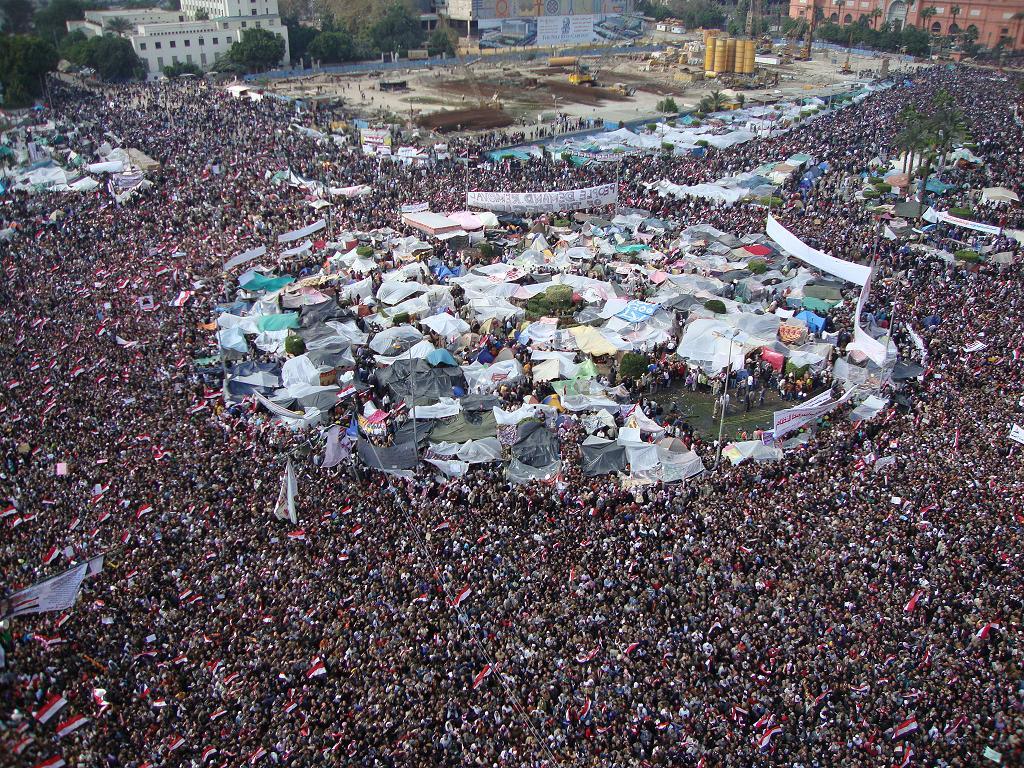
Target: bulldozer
[581, 75]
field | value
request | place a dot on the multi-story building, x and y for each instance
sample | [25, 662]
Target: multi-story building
[198, 34]
[987, 21]
[546, 22]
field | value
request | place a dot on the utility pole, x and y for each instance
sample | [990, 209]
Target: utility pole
[725, 400]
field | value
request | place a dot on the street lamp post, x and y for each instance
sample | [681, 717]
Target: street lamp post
[725, 400]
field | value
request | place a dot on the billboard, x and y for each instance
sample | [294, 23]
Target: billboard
[509, 9]
[565, 30]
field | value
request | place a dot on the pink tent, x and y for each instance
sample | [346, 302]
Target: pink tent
[468, 220]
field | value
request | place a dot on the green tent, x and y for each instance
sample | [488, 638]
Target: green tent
[257, 282]
[817, 305]
[278, 322]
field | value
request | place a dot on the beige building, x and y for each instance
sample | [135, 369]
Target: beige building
[164, 38]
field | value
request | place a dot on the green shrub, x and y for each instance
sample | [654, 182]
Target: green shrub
[757, 267]
[796, 370]
[633, 365]
[771, 201]
[402, 318]
[486, 250]
[695, 124]
[963, 213]
[715, 305]
[559, 297]
[884, 188]
[702, 143]
[667, 146]
[967, 255]
[566, 157]
[652, 127]
[667, 105]
[364, 250]
[871, 194]
[875, 180]
[294, 345]
[561, 222]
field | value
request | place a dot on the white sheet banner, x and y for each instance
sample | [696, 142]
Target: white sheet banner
[298, 234]
[1017, 434]
[531, 202]
[244, 258]
[847, 270]
[794, 418]
[977, 226]
[415, 207]
[54, 594]
[862, 340]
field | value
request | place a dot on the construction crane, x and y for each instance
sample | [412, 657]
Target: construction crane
[755, 10]
[805, 54]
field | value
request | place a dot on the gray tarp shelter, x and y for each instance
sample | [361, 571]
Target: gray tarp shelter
[405, 378]
[602, 457]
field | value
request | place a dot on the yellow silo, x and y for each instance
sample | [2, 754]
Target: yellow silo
[748, 58]
[721, 56]
[730, 62]
[709, 55]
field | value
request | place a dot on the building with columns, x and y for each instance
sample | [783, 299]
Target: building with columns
[993, 20]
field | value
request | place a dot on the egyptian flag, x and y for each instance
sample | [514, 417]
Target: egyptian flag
[909, 607]
[256, 756]
[317, 669]
[460, 598]
[71, 725]
[483, 675]
[766, 738]
[174, 743]
[54, 762]
[208, 753]
[905, 728]
[54, 705]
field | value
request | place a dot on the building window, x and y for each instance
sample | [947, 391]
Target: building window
[181, 18]
[188, 58]
[142, 46]
[188, 43]
[225, 25]
[243, 25]
[253, 11]
[172, 44]
[174, 59]
[202, 58]
[200, 41]
[257, 25]
[215, 41]
[160, 61]
[158, 45]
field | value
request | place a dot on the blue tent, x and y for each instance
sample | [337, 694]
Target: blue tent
[441, 357]
[815, 323]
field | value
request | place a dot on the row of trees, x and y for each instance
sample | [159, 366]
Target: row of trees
[355, 30]
[911, 40]
[925, 137]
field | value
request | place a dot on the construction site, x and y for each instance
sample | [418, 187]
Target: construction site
[473, 92]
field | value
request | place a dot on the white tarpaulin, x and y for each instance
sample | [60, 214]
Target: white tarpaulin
[54, 594]
[245, 257]
[298, 234]
[794, 418]
[862, 340]
[847, 270]
[530, 202]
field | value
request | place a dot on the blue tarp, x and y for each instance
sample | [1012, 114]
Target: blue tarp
[441, 357]
[637, 311]
[815, 323]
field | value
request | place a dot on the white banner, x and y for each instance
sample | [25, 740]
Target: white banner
[531, 202]
[847, 270]
[415, 207]
[54, 594]
[794, 418]
[375, 137]
[988, 229]
[244, 258]
[1017, 434]
[862, 340]
[298, 234]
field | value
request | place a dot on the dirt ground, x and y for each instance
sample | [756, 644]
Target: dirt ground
[530, 92]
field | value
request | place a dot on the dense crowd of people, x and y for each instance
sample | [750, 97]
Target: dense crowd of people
[816, 611]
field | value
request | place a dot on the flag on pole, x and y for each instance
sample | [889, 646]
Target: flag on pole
[912, 604]
[54, 705]
[71, 725]
[460, 598]
[481, 676]
[905, 728]
[317, 669]
[285, 507]
[207, 753]
[765, 739]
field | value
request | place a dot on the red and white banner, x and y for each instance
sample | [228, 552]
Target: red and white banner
[908, 726]
[54, 705]
[794, 418]
[57, 593]
[534, 202]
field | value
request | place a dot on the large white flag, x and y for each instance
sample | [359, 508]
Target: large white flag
[58, 593]
[285, 507]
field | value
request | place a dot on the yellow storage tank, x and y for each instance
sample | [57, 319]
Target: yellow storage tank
[709, 55]
[721, 56]
[730, 46]
[710, 33]
[748, 59]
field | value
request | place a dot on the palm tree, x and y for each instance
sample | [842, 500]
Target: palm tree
[1017, 17]
[119, 25]
[955, 11]
[911, 138]
[945, 127]
[713, 102]
[875, 16]
[927, 14]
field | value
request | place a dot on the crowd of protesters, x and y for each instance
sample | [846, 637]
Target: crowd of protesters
[816, 611]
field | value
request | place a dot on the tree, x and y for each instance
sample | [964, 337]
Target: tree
[668, 105]
[112, 57]
[713, 102]
[202, 15]
[118, 25]
[51, 20]
[442, 40]
[875, 16]
[944, 127]
[299, 36]
[19, 16]
[24, 62]
[257, 50]
[332, 47]
[182, 68]
[398, 30]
